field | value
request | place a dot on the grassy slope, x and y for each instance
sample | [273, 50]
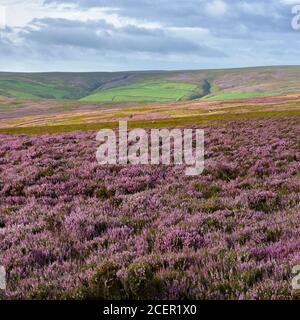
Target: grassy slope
[84, 101]
[29, 90]
[239, 95]
[161, 86]
[146, 91]
[56, 85]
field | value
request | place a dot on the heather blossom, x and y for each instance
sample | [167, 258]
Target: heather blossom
[73, 229]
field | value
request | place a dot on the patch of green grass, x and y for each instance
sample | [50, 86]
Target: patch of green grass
[30, 90]
[208, 191]
[146, 91]
[239, 95]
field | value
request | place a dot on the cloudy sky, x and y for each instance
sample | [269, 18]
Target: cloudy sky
[112, 35]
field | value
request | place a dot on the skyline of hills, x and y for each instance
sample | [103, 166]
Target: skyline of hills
[151, 86]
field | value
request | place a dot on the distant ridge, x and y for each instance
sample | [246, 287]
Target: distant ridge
[151, 86]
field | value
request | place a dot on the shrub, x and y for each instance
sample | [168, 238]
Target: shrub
[141, 282]
[208, 191]
[48, 172]
[226, 172]
[265, 201]
[105, 284]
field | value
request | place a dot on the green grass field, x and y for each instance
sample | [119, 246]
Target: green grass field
[239, 95]
[146, 91]
[30, 90]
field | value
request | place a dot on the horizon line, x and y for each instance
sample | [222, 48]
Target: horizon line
[155, 70]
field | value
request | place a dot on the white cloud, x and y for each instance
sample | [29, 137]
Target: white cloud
[2, 16]
[189, 32]
[253, 8]
[216, 8]
[290, 2]
[144, 34]
[21, 13]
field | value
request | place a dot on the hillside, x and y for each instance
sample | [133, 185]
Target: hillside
[154, 86]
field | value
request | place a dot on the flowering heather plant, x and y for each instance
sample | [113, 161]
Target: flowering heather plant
[72, 229]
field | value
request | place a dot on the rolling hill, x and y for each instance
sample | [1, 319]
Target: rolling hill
[60, 102]
[152, 86]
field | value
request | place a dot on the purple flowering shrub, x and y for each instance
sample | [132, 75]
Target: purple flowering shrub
[72, 229]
